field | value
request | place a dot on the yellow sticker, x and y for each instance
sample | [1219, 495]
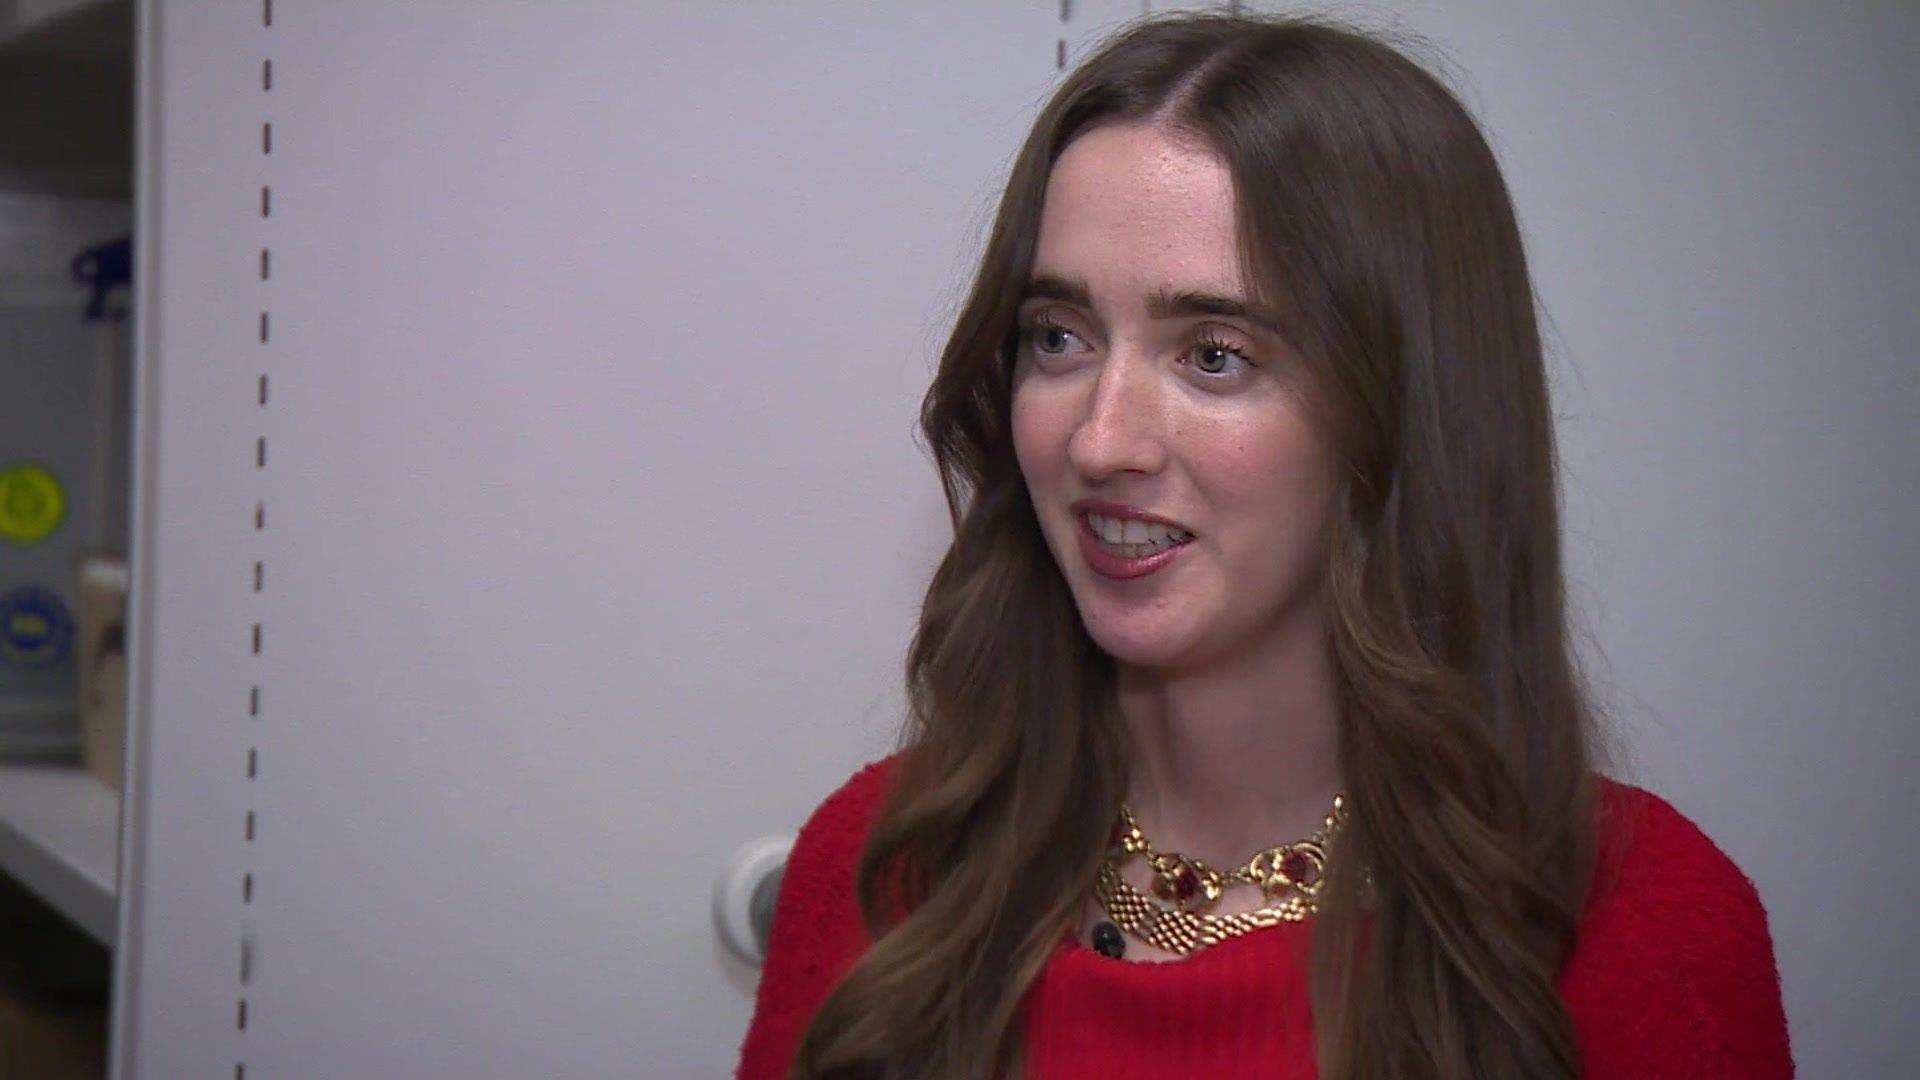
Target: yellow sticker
[31, 503]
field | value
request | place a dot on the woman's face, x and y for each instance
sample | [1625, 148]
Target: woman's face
[1146, 390]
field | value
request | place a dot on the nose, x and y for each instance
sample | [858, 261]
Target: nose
[1122, 426]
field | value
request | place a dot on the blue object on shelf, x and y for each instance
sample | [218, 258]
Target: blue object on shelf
[104, 267]
[35, 628]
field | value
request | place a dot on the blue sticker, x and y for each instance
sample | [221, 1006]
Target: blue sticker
[35, 629]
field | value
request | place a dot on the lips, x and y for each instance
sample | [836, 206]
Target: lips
[1117, 567]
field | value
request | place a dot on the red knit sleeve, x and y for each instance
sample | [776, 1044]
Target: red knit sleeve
[1673, 974]
[817, 930]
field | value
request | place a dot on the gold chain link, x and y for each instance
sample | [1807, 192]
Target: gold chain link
[1289, 875]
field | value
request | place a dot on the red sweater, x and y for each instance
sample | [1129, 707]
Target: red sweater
[1672, 974]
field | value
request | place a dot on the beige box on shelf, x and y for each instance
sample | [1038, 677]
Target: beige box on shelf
[101, 622]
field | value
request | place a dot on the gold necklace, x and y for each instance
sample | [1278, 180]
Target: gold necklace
[1289, 876]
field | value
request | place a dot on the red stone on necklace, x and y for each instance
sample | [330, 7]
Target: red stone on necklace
[1186, 883]
[1299, 869]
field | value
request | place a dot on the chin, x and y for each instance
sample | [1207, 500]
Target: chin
[1145, 647]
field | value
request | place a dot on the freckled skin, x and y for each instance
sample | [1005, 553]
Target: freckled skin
[1125, 411]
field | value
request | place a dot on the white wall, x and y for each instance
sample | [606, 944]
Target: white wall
[594, 528]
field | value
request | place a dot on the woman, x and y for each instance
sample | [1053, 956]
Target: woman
[1246, 733]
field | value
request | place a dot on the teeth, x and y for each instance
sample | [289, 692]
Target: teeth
[1133, 538]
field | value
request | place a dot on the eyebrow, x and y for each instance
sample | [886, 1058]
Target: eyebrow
[1160, 305]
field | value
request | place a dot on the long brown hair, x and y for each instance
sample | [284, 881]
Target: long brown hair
[1374, 217]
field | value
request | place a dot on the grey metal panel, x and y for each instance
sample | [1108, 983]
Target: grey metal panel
[592, 525]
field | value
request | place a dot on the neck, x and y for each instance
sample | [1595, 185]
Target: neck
[1239, 755]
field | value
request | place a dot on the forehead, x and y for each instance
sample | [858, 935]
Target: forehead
[1132, 210]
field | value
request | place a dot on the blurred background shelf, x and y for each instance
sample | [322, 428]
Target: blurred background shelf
[66, 160]
[67, 26]
[60, 837]
[66, 97]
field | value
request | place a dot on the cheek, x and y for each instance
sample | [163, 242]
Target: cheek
[1036, 440]
[1279, 477]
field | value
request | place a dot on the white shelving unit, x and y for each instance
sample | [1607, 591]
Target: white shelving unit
[65, 72]
[60, 837]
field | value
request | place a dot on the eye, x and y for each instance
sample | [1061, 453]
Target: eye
[1213, 357]
[1049, 338]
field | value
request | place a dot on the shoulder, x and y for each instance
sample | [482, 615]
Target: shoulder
[818, 930]
[817, 884]
[844, 817]
[1655, 857]
[1673, 968]
[820, 870]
